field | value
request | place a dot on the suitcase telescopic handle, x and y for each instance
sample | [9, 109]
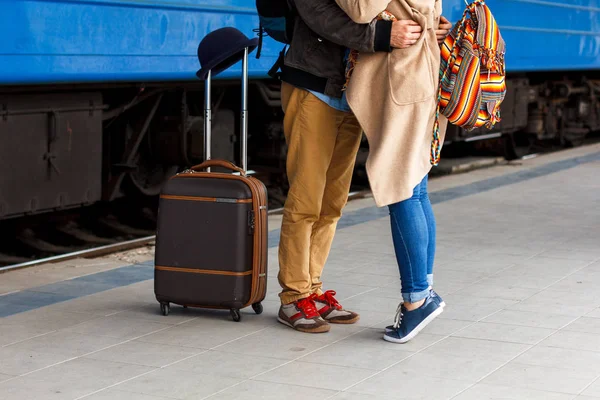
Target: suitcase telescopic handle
[218, 163]
[243, 116]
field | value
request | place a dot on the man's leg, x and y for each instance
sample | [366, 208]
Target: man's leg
[335, 197]
[311, 130]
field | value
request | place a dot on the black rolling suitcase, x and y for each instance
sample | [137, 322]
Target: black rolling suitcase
[211, 242]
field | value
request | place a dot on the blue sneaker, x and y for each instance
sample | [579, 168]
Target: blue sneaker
[434, 296]
[408, 324]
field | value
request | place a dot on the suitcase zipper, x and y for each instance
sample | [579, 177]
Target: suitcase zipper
[262, 273]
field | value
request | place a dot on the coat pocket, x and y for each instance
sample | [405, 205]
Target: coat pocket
[410, 74]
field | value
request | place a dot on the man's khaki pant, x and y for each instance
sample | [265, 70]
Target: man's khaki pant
[322, 146]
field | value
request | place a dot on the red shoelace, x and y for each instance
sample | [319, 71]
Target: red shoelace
[308, 307]
[328, 299]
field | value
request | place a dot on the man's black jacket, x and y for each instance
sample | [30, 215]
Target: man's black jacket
[322, 33]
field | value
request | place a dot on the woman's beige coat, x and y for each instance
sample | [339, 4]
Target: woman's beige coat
[394, 97]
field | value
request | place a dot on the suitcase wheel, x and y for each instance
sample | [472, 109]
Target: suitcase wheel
[258, 308]
[235, 314]
[165, 308]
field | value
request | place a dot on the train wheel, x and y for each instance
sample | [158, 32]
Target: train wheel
[573, 140]
[149, 177]
[517, 146]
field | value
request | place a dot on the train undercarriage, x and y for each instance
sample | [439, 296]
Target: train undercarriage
[66, 147]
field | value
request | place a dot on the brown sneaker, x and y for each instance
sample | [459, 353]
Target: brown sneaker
[332, 311]
[303, 316]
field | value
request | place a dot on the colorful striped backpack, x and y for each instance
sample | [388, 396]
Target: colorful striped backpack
[472, 74]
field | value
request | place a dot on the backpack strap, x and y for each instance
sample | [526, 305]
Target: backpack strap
[491, 46]
[434, 158]
[278, 65]
[261, 32]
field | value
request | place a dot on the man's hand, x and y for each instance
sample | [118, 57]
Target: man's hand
[405, 33]
[442, 31]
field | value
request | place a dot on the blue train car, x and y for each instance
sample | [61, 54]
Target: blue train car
[74, 41]
[553, 61]
[99, 99]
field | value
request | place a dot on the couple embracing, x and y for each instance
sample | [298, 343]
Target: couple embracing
[354, 66]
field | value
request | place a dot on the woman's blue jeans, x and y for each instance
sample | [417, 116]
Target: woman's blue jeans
[413, 233]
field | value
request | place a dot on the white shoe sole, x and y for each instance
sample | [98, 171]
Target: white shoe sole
[286, 323]
[417, 329]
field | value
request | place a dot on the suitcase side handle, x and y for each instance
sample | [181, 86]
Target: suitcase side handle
[218, 163]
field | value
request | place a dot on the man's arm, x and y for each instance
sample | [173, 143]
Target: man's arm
[328, 20]
[363, 11]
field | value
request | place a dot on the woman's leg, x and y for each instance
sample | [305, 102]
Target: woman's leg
[431, 228]
[413, 229]
[410, 235]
